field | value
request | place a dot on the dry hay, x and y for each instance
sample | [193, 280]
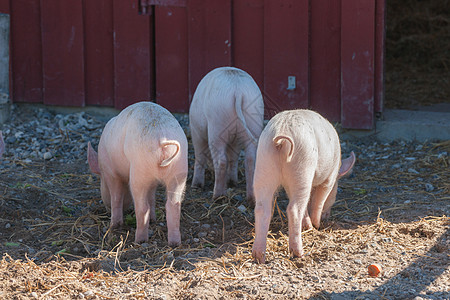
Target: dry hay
[417, 53]
[394, 227]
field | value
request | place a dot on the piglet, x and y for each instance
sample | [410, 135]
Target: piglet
[140, 148]
[226, 115]
[300, 151]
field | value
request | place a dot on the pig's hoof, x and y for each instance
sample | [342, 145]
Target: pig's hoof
[325, 215]
[174, 244]
[259, 256]
[218, 195]
[296, 253]
[306, 223]
[116, 225]
[141, 238]
[251, 201]
[197, 184]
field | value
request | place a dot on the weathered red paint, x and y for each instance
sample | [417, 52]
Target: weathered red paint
[286, 35]
[172, 84]
[325, 58]
[4, 7]
[105, 53]
[248, 38]
[180, 3]
[62, 52]
[357, 63]
[209, 44]
[99, 52]
[26, 55]
[133, 54]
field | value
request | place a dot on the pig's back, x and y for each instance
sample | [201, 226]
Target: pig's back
[215, 96]
[316, 140]
[136, 133]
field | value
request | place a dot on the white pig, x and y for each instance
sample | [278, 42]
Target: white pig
[141, 147]
[226, 115]
[300, 151]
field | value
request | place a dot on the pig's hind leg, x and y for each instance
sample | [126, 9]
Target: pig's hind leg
[318, 199]
[298, 189]
[250, 157]
[118, 196]
[267, 181]
[143, 192]
[175, 191]
[233, 151]
[218, 149]
[201, 152]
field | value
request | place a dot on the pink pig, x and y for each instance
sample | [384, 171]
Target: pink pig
[300, 151]
[141, 147]
[226, 115]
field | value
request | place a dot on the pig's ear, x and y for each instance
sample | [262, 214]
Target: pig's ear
[347, 165]
[93, 160]
[2, 144]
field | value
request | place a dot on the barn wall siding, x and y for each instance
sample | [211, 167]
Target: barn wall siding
[115, 53]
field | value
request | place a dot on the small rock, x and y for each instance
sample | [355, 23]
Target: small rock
[7, 225]
[48, 155]
[34, 295]
[206, 226]
[429, 187]
[196, 240]
[411, 170]
[88, 293]
[242, 208]
[202, 234]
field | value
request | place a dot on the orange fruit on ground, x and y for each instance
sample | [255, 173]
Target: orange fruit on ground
[374, 270]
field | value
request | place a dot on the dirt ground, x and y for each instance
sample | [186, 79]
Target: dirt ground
[55, 241]
[393, 211]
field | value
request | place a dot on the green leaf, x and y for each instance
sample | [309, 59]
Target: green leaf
[57, 243]
[130, 220]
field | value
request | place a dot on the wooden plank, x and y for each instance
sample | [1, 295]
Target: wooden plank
[325, 58]
[209, 31]
[357, 63]
[171, 50]
[99, 52]
[62, 52]
[286, 31]
[248, 38]
[133, 54]
[179, 3]
[4, 7]
[380, 35]
[26, 58]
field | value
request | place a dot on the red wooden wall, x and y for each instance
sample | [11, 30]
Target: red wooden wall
[109, 53]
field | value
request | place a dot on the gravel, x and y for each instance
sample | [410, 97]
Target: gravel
[391, 211]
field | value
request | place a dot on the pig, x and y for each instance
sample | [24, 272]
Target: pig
[2, 145]
[225, 116]
[140, 148]
[299, 150]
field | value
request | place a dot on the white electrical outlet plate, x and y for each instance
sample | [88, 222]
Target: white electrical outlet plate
[291, 83]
